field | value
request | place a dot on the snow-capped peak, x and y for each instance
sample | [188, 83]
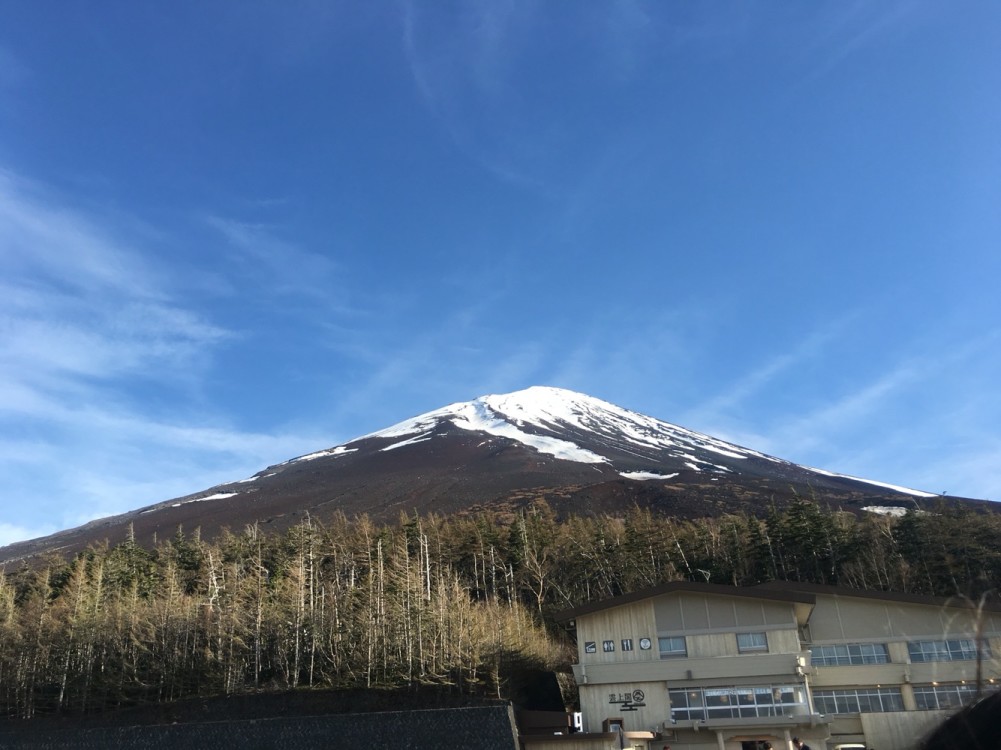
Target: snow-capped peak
[544, 417]
[577, 427]
[489, 414]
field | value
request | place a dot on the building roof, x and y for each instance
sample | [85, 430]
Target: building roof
[991, 604]
[676, 587]
[786, 591]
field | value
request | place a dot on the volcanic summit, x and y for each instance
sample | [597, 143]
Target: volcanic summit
[576, 453]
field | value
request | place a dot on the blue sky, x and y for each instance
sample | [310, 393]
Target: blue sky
[235, 232]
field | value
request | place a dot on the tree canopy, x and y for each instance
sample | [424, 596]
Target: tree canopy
[464, 601]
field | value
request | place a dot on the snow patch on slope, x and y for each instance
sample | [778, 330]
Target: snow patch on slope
[216, 496]
[409, 441]
[886, 510]
[643, 475]
[894, 487]
[338, 451]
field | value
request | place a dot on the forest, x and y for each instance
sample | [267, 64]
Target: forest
[463, 601]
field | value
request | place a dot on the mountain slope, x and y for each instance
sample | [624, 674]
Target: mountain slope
[501, 452]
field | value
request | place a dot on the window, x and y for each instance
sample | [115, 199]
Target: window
[751, 642]
[930, 697]
[856, 701]
[673, 647]
[849, 653]
[735, 702]
[961, 649]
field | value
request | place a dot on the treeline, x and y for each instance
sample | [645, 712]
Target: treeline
[464, 601]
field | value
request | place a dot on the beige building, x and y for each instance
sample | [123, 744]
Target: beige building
[707, 667]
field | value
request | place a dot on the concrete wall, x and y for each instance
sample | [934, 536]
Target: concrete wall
[900, 731]
[840, 619]
[632, 621]
[734, 670]
[849, 619]
[687, 612]
[604, 701]
[604, 741]
[709, 623]
[490, 728]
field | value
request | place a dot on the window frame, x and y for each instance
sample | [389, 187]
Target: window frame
[734, 702]
[858, 700]
[849, 654]
[950, 649]
[755, 648]
[944, 696]
[673, 653]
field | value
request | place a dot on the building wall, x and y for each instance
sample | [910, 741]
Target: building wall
[710, 623]
[631, 621]
[592, 741]
[849, 619]
[899, 729]
[642, 705]
[687, 612]
[577, 742]
[840, 619]
[607, 674]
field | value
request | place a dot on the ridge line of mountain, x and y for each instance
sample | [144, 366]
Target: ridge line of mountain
[581, 454]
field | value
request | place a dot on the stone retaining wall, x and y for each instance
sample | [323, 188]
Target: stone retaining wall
[489, 728]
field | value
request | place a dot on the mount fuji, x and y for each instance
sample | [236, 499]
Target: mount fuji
[576, 453]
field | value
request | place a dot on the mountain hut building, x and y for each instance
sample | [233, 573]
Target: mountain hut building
[694, 666]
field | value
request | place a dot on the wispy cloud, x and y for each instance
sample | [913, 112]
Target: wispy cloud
[852, 27]
[978, 467]
[90, 334]
[473, 72]
[628, 32]
[440, 71]
[858, 407]
[764, 375]
[138, 460]
[281, 268]
[61, 248]
[916, 418]
[490, 76]
[10, 533]
[77, 301]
